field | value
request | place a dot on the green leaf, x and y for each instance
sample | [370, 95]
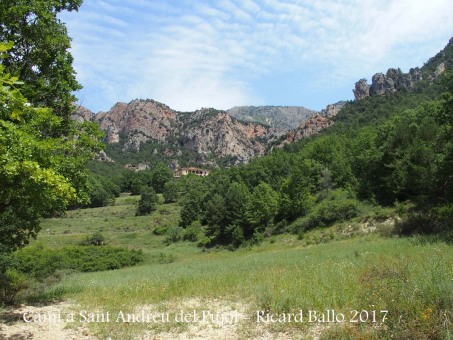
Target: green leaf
[15, 115]
[6, 47]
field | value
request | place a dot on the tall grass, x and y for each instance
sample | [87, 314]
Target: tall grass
[411, 281]
[409, 277]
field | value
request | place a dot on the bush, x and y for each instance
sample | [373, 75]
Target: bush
[174, 235]
[11, 283]
[93, 258]
[336, 207]
[204, 242]
[97, 239]
[148, 201]
[192, 232]
[99, 196]
[39, 262]
[165, 258]
[160, 230]
[31, 270]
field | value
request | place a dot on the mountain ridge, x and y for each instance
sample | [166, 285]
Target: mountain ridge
[235, 136]
[209, 132]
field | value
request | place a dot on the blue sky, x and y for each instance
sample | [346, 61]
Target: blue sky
[225, 53]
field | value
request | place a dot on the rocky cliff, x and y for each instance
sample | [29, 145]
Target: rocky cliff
[395, 80]
[209, 133]
[212, 132]
[139, 120]
[381, 84]
[313, 125]
[280, 117]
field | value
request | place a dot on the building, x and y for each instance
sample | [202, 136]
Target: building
[192, 170]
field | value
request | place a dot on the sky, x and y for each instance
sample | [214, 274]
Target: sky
[190, 54]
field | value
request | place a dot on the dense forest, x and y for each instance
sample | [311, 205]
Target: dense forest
[382, 151]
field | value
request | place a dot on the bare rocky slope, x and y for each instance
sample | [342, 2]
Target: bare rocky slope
[212, 134]
[280, 117]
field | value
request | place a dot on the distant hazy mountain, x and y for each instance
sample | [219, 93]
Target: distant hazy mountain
[280, 117]
[210, 136]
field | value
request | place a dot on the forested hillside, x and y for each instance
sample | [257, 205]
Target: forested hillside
[393, 149]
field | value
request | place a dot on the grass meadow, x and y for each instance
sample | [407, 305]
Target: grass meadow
[348, 285]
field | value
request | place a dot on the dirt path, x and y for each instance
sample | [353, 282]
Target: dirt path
[40, 323]
[51, 323]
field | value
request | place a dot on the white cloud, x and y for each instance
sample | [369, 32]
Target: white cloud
[193, 54]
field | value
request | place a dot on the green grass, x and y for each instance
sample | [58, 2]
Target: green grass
[339, 268]
[117, 223]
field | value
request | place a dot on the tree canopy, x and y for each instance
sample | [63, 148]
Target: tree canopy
[380, 152]
[41, 171]
[40, 55]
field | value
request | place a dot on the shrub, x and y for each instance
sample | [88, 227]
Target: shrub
[11, 283]
[192, 232]
[204, 242]
[148, 201]
[97, 239]
[165, 258]
[93, 258]
[39, 262]
[338, 206]
[174, 235]
[160, 230]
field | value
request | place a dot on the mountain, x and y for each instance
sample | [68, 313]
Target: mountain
[280, 117]
[395, 80]
[145, 131]
[152, 130]
[392, 82]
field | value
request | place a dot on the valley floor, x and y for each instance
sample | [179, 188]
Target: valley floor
[360, 285]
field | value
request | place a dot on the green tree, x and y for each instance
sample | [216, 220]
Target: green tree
[444, 116]
[40, 55]
[135, 184]
[170, 191]
[160, 175]
[236, 200]
[40, 173]
[191, 206]
[262, 207]
[99, 196]
[214, 211]
[296, 190]
[148, 201]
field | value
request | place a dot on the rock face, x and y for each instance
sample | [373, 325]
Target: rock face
[313, 125]
[395, 80]
[332, 110]
[381, 84]
[209, 133]
[384, 84]
[279, 117]
[140, 119]
[362, 89]
[439, 69]
[102, 156]
[82, 114]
